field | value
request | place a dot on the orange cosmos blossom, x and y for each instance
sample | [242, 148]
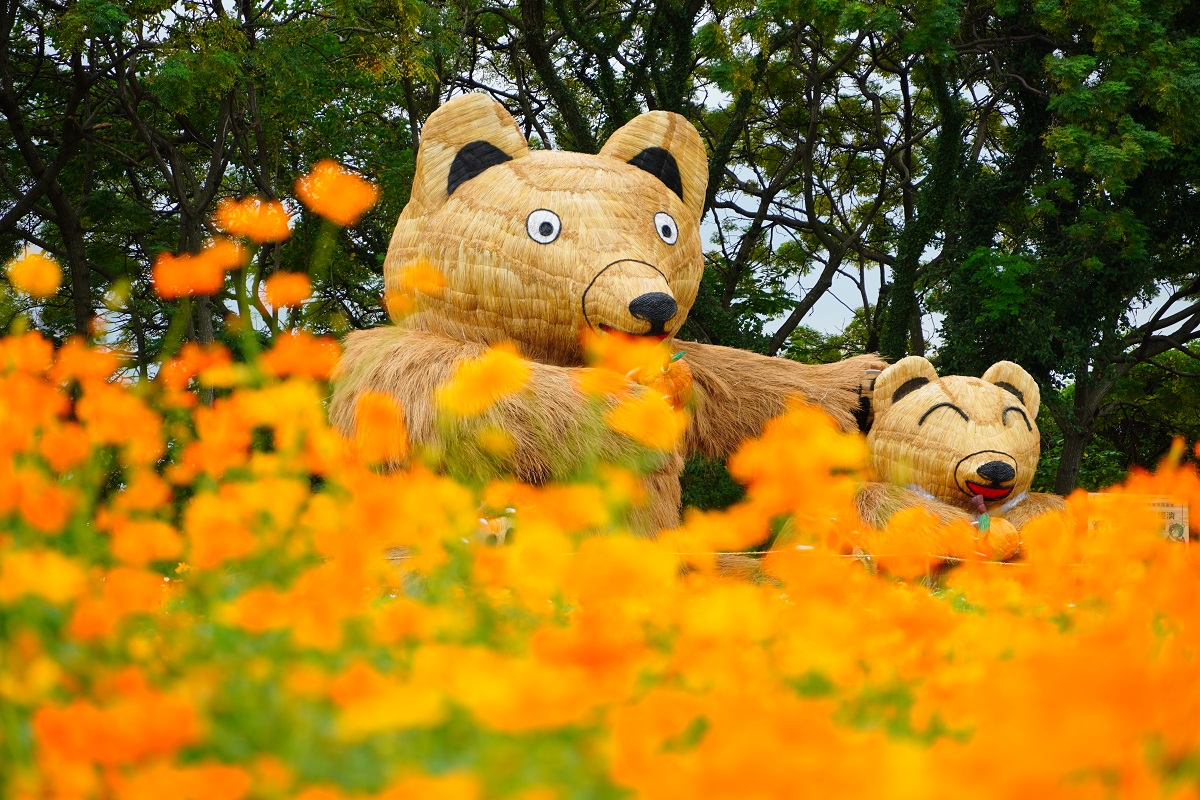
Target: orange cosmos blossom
[627, 355]
[379, 433]
[124, 591]
[64, 446]
[203, 781]
[76, 361]
[36, 274]
[29, 353]
[416, 279]
[124, 731]
[254, 218]
[286, 289]
[336, 193]
[43, 573]
[479, 383]
[302, 354]
[649, 419]
[201, 273]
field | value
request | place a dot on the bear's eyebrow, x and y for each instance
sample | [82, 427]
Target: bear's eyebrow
[661, 164]
[932, 409]
[1021, 411]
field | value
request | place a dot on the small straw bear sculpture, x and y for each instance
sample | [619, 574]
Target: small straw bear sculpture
[963, 448]
[535, 247]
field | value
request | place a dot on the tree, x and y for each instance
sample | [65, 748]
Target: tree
[1098, 230]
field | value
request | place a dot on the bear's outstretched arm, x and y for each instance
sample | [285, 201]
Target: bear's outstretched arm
[876, 502]
[1034, 505]
[738, 391]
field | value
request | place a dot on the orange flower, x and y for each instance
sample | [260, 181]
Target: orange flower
[379, 433]
[254, 218]
[43, 573]
[46, 506]
[140, 542]
[479, 383]
[76, 361]
[125, 591]
[36, 274]
[336, 193]
[421, 277]
[285, 289]
[216, 532]
[124, 731]
[300, 353]
[224, 253]
[30, 353]
[626, 355]
[64, 447]
[416, 279]
[649, 420]
[192, 359]
[202, 273]
[602, 382]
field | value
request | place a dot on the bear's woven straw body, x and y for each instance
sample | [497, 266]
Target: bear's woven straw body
[535, 247]
[939, 442]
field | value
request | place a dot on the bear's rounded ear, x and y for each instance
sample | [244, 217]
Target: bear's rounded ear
[1013, 379]
[905, 376]
[668, 147]
[461, 139]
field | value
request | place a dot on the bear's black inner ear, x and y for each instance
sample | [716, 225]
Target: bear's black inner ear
[908, 387]
[473, 159]
[661, 164]
[1008, 387]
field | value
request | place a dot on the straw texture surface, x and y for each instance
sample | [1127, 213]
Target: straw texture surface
[956, 437]
[534, 247]
[604, 244]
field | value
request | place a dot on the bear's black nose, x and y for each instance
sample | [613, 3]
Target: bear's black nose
[997, 472]
[654, 307]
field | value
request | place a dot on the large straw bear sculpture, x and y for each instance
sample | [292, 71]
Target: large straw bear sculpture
[941, 442]
[536, 246]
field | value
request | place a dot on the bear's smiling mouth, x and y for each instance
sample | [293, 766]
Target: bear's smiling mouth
[989, 492]
[656, 336]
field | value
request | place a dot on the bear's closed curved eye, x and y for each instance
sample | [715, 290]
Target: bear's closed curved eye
[1021, 411]
[932, 409]
[668, 231]
[543, 225]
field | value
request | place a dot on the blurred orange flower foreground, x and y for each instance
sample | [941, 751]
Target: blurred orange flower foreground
[194, 602]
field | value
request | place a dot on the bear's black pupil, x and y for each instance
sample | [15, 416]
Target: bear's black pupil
[666, 229]
[545, 229]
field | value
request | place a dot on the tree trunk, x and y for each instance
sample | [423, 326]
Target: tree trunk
[71, 230]
[1077, 426]
[933, 201]
[1074, 439]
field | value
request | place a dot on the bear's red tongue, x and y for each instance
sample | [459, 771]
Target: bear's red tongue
[989, 492]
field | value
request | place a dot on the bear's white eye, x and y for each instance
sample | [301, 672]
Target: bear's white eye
[543, 225]
[664, 223]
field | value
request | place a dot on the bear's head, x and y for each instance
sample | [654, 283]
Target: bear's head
[536, 246]
[956, 437]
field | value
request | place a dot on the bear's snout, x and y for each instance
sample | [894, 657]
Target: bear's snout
[633, 297]
[656, 308]
[991, 474]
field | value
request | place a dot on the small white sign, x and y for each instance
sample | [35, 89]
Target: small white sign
[1174, 515]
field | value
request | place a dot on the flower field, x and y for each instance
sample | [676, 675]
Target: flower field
[195, 603]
